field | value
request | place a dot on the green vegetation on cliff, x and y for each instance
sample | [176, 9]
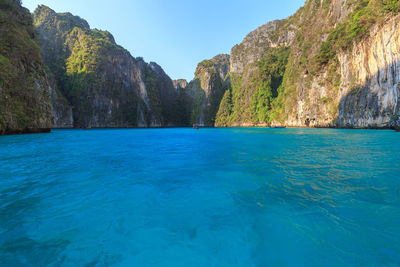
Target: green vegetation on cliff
[253, 96]
[364, 15]
[271, 71]
[214, 99]
[88, 74]
[24, 91]
[106, 86]
[314, 57]
[207, 89]
[290, 69]
[225, 110]
[153, 84]
[89, 49]
[197, 102]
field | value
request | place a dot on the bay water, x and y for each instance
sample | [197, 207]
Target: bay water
[208, 197]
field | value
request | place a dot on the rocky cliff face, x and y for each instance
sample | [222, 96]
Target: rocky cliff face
[62, 110]
[367, 94]
[254, 45]
[25, 100]
[350, 79]
[180, 84]
[371, 79]
[103, 83]
[170, 98]
[332, 64]
[207, 89]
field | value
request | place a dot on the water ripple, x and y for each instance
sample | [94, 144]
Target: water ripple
[214, 197]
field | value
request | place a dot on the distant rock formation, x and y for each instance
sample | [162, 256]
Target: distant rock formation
[207, 89]
[180, 84]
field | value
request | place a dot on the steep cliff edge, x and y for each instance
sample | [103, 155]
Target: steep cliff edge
[25, 101]
[103, 83]
[206, 90]
[371, 79]
[332, 64]
[349, 77]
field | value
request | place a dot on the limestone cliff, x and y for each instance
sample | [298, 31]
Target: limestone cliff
[169, 96]
[254, 45]
[207, 89]
[332, 64]
[180, 84]
[371, 79]
[103, 83]
[350, 78]
[25, 101]
[62, 110]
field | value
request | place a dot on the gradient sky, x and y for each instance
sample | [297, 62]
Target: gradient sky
[177, 34]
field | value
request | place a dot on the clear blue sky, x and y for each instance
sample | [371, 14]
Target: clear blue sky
[177, 34]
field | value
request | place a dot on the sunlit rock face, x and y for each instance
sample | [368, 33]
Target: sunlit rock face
[335, 76]
[371, 75]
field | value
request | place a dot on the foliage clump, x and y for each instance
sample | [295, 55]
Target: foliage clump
[208, 88]
[251, 98]
[224, 115]
[272, 69]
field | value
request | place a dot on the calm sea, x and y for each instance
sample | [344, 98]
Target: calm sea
[209, 197]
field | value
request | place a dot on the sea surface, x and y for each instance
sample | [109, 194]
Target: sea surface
[208, 197]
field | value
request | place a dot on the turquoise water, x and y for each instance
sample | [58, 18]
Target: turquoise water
[209, 197]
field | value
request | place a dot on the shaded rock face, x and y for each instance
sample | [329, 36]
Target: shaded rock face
[62, 110]
[207, 89]
[25, 100]
[109, 97]
[101, 81]
[169, 96]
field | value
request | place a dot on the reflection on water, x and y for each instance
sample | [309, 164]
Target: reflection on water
[214, 197]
